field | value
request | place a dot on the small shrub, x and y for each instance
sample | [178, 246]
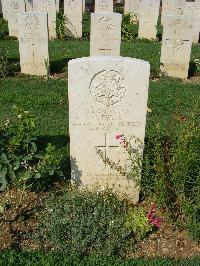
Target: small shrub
[141, 223]
[60, 25]
[63, 26]
[171, 171]
[3, 28]
[21, 161]
[129, 30]
[197, 64]
[83, 222]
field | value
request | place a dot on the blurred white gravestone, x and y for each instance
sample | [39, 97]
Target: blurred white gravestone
[57, 5]
[132, 6]
[172, 8]
[83, 6]
[105, 37]
[192, 9]
[103, 6]
[176, 46]
[48, 6]
[107, 95]
[148, 19]
[73, 10]
[12, 8]
[29, 5]
[4, 9]
[33, 43]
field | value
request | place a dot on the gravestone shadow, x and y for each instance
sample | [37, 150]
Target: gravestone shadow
[59, 66]
[13, 65]
[59, 141]
[75, 172]
[192, 70]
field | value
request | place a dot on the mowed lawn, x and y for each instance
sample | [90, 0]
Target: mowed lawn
[47, 98]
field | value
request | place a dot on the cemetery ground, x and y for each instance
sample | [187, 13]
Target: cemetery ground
[170, 176]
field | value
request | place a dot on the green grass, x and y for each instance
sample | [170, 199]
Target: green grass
[63, 51]
[47, 99]
[12, 258]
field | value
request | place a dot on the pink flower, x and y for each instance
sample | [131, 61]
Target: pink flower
[157, 222]
[151, 215]
[118, 136]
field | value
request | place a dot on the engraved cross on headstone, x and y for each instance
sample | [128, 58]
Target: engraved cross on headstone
[176, 43]
[106, 147]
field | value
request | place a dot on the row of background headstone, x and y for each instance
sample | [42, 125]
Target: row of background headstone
[106, 34]
[148, 18]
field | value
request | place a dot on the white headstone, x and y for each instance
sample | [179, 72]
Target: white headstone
[107, 95]
[12, 8]
[105, 36]
[132, 6]
[103, 5]
[33, 43]
[148, 19]
[4, 9]
[29, 5]
[57, 5]
[48, 6]
[83, 6]
[172, 8]
[176, 46]
[192, 9]
[73, 10]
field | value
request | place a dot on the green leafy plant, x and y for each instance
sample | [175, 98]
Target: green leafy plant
[197, 63]
[141, 222]
[83, 222]
[171, 171]
[3, 28]
[21, 161]
[129, 30]
[60, 25]
[64, 26]
[138, 223]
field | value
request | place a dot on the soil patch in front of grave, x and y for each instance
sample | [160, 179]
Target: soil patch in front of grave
[21, 215]
[194, 80]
